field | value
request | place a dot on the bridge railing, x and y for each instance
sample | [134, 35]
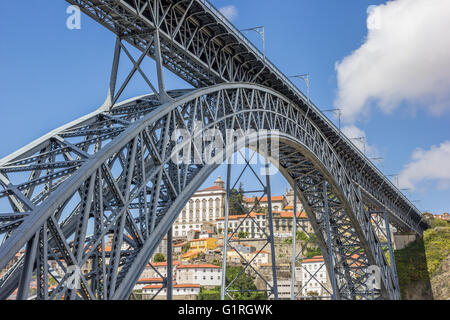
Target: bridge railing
[299, 93]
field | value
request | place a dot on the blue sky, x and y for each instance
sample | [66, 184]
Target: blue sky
[51, 75]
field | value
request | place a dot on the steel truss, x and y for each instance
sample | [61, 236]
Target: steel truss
[100, 193]
[229, 237]
[198, 44]
[111, 173]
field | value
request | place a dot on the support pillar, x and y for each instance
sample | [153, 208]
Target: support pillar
[169, 279]
[271, 237]
[225, 234]
[294, 244]
[329, 242]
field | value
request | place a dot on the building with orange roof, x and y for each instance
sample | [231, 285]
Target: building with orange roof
[445, 216]
[278, 202]
[204, 207]
[314, 278]
[290, 201]
[283, 221]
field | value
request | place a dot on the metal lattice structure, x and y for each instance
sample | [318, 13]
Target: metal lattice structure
[111, 172]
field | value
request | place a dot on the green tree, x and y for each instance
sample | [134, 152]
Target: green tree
[159, 257]
[237, 206]
[186, 247]
[244, 282]
[312, 252]
[212, 294]
[300, 235]
[428, 218]
[242, 235]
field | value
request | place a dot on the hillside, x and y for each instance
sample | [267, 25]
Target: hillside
[424, 265]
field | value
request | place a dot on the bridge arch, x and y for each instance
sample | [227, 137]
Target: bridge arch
[133, 179]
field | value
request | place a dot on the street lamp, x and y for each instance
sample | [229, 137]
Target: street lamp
[380, 159]
[339, 114]
[261, 31]
[363, 140]
[395, 175]
[304, 77]
[406, 189]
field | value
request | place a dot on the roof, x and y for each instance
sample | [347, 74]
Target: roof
[179, 244]
[163, 264]
[198, 266]
[197, 240]
[264, 199]
[290, 214]
[159, 286]
[313, 259]
[150, 280]
[213, 188]
[241, 216]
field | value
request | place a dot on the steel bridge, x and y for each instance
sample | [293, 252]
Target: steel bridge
[110, 172]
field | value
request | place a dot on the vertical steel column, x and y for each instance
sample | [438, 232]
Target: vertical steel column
[163, 96]
[391, 251]
[27, 271]
[113, 79]
[329, 244]
[169, 279]
[271, 237]
[225, 235]
[294, 243]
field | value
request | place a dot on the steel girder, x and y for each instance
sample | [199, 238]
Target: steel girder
[111, 173]
[204, 48]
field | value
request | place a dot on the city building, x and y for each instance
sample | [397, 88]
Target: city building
[202, 274]
[199, 246]
[249, 253]
[290, 201]
[179, 291]
[158, 269]
[315, 282]
[445, 216]
[202, 209]
[278, 202]
[284, 289]
[283, 222]
[242, 223]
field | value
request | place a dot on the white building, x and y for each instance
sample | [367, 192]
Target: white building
[315, 277]
[290, 201]
[150, 272]
[243, 223]
[179, 291]
[201, 274]
[205, 206]
[284, 289]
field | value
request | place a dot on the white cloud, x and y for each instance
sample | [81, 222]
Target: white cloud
[431, 165]
[359, 139]
[405, 57]
[230, 12]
